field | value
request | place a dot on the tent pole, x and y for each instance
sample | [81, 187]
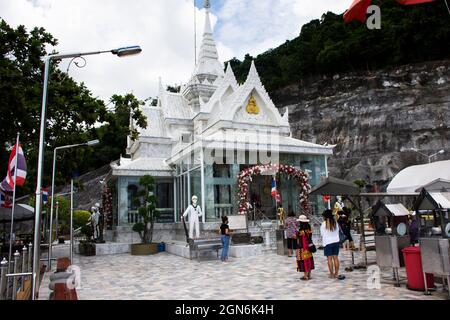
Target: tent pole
[361, 217]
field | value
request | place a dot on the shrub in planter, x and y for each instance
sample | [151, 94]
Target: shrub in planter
[80, 218]
[87, 245]
[146, 200]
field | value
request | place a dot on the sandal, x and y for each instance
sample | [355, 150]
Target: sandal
[341, 277]
[304, 278]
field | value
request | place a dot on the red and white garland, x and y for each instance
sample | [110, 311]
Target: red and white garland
[302, 179]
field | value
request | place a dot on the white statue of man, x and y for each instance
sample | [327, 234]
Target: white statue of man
[194, 211]
[94, 220]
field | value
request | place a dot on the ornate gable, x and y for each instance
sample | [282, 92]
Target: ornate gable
[252, 104]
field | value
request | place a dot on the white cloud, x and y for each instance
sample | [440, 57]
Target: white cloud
[164, 29]
[254, 26]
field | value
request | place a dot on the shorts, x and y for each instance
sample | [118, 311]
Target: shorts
[292, 243]
[332, 249]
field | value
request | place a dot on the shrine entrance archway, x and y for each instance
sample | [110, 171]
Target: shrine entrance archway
[302, 179]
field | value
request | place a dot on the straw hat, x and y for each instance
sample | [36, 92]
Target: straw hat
[303, 218]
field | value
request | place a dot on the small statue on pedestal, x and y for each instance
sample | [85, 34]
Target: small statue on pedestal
[281, 213]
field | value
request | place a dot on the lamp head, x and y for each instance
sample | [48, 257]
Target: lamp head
[441, 152]
[92, 143]
[127, 51]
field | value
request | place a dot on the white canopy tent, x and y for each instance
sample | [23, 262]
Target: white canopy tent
[413, 178]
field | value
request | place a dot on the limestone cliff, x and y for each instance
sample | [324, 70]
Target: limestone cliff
[372, 116]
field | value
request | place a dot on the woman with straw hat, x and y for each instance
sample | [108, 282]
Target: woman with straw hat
[305, 248]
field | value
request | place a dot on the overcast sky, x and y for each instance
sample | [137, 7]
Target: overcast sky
[164, 29]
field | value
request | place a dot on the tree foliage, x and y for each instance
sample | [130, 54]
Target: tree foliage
[325, 46]
[146, 200]
[73, 114]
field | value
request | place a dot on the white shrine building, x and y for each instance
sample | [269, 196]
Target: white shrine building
[198, 141]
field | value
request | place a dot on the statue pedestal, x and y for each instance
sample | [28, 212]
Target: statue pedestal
[267, 228]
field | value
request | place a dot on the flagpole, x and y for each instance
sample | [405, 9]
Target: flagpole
[14, 202]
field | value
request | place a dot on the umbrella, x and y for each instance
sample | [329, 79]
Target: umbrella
[409, 2]
[335, 187]
[22, 212]
[358, 9]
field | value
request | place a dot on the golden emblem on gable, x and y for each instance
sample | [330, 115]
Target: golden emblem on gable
[252, 107]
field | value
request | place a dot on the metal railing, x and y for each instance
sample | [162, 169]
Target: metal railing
[221, 210]
[165, 216]
[13, 274]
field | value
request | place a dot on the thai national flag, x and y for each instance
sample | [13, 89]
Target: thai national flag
[45, 195]
[16, 155]
[5, 200]
[274, 192]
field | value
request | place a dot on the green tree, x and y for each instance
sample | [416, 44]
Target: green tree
[325, 46]
[73, 114]
[72, 111]
[146, 199]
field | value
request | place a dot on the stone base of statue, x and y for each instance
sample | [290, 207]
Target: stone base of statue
[144, 249]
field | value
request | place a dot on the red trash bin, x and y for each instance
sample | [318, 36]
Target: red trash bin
[414, 271]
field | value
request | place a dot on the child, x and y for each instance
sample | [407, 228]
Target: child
[225, 234]
[305, 260]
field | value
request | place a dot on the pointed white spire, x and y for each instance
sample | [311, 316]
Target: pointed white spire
[229, 75]
[253, 76]
[208, 57]
[161, 87]
[286, 116]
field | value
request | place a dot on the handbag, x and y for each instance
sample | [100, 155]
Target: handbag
[311, 247]
[342, 237]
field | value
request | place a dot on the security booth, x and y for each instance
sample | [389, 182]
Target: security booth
[391, 235]
[433, 210]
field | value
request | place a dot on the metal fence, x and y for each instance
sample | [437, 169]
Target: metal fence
[15, 275]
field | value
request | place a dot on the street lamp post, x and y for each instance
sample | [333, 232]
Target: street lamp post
[429, 157]
[50, 246]
[121, 52]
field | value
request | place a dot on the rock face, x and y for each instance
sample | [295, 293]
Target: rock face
[372, 117]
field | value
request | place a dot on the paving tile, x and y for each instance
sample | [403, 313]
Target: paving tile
[267, 277]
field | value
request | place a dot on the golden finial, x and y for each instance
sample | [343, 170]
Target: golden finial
[252, 107]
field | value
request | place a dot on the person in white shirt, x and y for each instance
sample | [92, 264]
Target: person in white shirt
[330, 240]
[194, 211]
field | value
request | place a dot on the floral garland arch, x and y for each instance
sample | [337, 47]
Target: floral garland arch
[246, 176]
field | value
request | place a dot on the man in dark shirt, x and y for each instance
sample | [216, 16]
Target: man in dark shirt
[413, 230]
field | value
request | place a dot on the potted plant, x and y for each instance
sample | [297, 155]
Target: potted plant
[146, 200]
[87, 245]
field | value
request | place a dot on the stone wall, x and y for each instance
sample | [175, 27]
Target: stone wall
[372, 116]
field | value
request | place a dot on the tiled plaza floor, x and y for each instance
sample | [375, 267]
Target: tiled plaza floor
[168, 277]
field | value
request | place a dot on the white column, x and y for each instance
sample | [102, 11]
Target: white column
[175, 180]
[202, 178]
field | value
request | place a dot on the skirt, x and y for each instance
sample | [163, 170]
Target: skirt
[305, 261]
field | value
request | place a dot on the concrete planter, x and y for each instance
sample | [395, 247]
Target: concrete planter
[144, 249]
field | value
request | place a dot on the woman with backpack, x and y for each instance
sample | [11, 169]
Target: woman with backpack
[305, 248]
